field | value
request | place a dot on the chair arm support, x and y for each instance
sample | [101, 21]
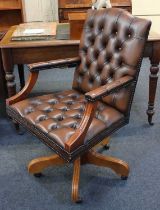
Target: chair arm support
[60, 63]
[109, 88]
[34, 71]
[77, 139]
[25, 91]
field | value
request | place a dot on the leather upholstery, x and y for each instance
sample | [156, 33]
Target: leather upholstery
[111, 46]
[110, 51]
[58, 115]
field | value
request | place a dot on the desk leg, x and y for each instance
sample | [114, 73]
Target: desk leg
[21, 75]
[153, 78]
[8, 68]
[3, 90]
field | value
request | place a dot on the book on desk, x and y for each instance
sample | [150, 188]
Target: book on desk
[41, 31]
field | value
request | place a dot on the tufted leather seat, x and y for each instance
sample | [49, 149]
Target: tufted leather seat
[59, 115]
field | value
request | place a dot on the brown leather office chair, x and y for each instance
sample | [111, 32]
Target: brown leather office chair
[72, 122]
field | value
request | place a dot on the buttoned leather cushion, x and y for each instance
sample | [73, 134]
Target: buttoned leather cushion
[58, 115]
[111, 47]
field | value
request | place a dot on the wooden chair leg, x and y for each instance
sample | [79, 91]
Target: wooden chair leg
[37, 165]
[118, 166]
[75, 181]
[21, 75]
[17, 127]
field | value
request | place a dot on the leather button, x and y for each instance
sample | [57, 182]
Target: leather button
[129, 34]
[53, 127]
[36, 102]
[52, 101]
[60, 118]
[91, 79]
[28, 110]
[120, 62]
[88, 64]
[41, 118]
[91, 24]
[64, 109]
[81, 74]
[78, 116]
[104, 41]
[73, 126]
[70, 102]
[114, 32]
[99, 69]
[96, 54]
[48, 110]
[92, 39]
[108, 58]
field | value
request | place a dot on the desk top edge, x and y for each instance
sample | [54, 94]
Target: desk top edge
[7, 43]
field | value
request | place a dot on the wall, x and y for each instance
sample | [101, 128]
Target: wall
[146, 7]
[40, 10]
[149, 9]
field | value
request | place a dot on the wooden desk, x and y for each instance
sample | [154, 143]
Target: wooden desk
[29, 52]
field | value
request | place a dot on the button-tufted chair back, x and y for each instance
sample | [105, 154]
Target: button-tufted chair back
[109, 39]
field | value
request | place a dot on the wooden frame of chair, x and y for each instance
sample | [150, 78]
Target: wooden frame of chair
[37, 165]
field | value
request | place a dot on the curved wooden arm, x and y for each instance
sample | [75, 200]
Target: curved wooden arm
[109, 88]
[33, 76]
[77, 138]
[60, 63]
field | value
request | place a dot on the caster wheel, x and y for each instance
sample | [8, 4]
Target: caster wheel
[124, 177]
[106, 147]
[38, 175]
[79, 200]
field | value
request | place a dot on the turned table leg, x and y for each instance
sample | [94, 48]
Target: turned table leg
[8, 68]
[152, 92]
[153, 78]
[3, 90]
[10, 78]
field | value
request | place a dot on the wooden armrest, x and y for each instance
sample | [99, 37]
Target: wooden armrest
[108, 88]
[25, 91]
[34, 71]
[77, 139]
[68, 62]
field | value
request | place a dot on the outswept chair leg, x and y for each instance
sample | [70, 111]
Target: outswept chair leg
[75, 181]
[118, 166]
[37, 165]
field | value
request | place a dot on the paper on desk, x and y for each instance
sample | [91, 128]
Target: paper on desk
[33, 31]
